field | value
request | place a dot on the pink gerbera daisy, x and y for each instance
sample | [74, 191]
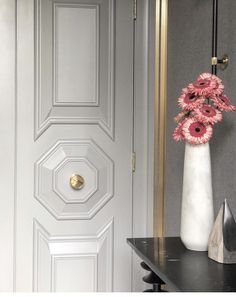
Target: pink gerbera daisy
[190, 101]
[207, 75]
[207, 114]
[219, 88]
[195, 132]
[178, 135]
[185, 91]
[202, 87]
[223, 103]
[202, 103]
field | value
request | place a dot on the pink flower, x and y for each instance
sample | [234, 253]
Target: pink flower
[195, 132]
[185, 91]
[207, 114]
[207, 84]
[207, 75]
[203, 87]
[202, 103]
[190, 101]
[178, 135]
[223, 103]
[219, 86]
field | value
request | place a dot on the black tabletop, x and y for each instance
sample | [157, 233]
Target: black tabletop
[184, 270]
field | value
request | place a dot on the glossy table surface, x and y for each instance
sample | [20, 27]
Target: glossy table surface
[184, 270]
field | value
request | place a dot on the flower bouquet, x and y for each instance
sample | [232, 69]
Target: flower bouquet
[202, 103]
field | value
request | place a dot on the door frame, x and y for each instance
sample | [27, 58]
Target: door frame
[144, 81]
[7, 147]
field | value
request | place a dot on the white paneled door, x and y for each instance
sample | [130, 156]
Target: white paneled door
[73, 153]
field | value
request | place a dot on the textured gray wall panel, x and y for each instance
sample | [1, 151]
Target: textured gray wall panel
[223, 145]
[189, 53]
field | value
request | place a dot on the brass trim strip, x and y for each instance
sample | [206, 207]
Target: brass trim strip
[160, 114]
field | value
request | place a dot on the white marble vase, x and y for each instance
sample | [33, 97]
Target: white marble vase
[197, 214]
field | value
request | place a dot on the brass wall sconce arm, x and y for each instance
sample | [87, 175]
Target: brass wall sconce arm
[223, 62]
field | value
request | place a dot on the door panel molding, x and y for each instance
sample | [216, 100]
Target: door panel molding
[98, 110]
[52, 251]
[86, 12]
[54, 169]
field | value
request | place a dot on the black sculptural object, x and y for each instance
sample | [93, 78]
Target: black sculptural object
[222, 240]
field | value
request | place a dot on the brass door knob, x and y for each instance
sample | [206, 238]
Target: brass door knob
[76, 181]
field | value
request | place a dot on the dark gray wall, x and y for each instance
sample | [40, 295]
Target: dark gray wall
[223, 145]
[189, 54]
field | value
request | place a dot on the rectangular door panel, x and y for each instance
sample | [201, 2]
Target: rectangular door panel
[74, 63]
[59, 262]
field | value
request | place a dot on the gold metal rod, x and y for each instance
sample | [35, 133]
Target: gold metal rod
[160, 115]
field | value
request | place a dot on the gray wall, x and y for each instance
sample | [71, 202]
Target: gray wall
[189, 54]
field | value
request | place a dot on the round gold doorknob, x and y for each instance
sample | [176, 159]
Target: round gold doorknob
[76, 181]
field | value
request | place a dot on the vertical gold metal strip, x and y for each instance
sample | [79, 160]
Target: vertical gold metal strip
[156, 212]
[160, 114]
[163, 99]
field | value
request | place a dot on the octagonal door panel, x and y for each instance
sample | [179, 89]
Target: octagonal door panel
[74, 145]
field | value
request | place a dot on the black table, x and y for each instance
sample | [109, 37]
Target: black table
[184, 270]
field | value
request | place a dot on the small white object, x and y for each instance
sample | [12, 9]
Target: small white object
[197, 215]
